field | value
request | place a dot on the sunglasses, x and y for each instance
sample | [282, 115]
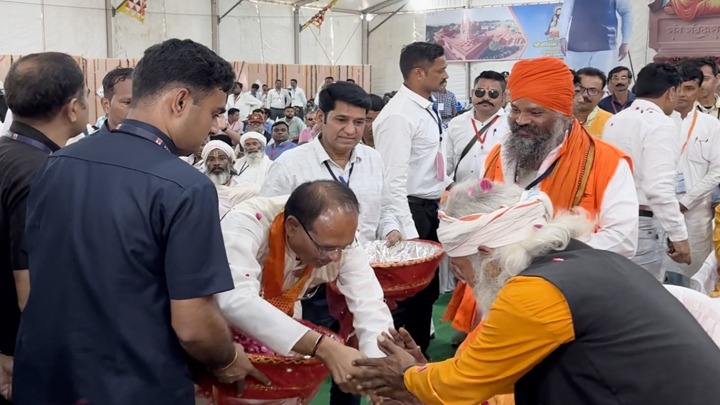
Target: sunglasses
[480, 93]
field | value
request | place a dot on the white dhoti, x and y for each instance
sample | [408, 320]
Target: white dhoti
[699, 221]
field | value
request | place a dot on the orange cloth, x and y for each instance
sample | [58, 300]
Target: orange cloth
[528, 321]
[584, 171]
[545, 81]
[690, 9]
[274, 271]
[595, 123]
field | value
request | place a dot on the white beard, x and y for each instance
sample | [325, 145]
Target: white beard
[485, 286]
[254, 158]
[219, 179]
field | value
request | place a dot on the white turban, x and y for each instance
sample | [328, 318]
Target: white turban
[222, 145]
[253, 135]
[505, 226]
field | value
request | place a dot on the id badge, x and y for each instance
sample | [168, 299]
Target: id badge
[680, 183]
[440, 165]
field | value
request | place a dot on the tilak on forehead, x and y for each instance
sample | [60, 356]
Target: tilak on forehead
[216, 147]
[545, 81]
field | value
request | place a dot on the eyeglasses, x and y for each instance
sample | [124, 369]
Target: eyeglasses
[328, 251]
[619, 77]
[590, 92]
[480, 93]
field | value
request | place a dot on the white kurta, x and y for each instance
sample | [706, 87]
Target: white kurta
[618, 218]
[700, 167]
[704, 309]
[459, 133]
[649, 137]
[246, 230]
[252, 173]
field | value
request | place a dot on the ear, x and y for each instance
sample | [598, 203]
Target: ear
[320, 116]
[484, 250]
[180, 100]
[105, 105]
[73, 107]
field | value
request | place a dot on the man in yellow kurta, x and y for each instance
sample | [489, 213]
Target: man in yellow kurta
[564, 323]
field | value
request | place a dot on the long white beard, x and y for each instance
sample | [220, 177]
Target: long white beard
[254, 158]
[219, 179]
[485, 286]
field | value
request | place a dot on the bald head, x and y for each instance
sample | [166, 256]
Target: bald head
[313, 199]
[39, 85]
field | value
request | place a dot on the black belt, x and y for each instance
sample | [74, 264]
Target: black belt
[423, 201]
[645, 213]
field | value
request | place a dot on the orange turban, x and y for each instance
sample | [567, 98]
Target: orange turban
[545, 81]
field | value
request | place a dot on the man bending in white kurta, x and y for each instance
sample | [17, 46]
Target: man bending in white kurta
[279, 249]
[254, 165]
[699, 169]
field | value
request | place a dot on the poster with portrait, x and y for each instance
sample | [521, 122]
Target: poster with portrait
[496, 33]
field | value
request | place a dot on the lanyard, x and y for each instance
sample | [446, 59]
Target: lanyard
[479, 133]
[341, 179]
[244, 167]
[29, 141]
[622, 106]
[437, 119]
[135, 130]
[542, 176]
[690, 132]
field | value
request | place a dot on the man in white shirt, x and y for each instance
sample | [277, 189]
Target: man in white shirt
[336, 155]
[708, 101]
[295, 124]
[328, 80]
[253, 167]
[646, 133]
[277, 99]
[235, 98]
[699, 167]
[298, 97]
[473, 134]
[248, 103]
[408, 133]
[280, 249]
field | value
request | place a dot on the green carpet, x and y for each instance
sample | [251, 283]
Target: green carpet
[440, 347]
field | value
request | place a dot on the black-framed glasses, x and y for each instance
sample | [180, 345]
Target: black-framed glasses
[325, 251]
[616, 78]
[480, 93]
[590, 92]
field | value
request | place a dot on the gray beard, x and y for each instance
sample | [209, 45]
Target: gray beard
[528, 153]
[254, 158]
[486, 287]
[219, 179]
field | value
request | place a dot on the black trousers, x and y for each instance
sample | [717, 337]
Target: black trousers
[415, 313]
[276, 113]
[315, 309]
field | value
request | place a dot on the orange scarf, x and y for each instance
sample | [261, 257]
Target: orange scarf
[274, 271]
[585, 167]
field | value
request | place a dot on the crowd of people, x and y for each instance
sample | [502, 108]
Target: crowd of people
[576, 212]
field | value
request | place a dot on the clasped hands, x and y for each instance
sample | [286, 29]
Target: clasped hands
[382, 379]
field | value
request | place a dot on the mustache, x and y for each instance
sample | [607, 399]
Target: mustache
[485, 102]
[515, 127]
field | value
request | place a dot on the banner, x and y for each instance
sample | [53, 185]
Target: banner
[497, 33]
[134, 8]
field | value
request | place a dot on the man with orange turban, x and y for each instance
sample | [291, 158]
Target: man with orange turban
[550, 151]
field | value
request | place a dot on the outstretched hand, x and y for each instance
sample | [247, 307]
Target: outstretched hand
[384, 377]
[403, 339]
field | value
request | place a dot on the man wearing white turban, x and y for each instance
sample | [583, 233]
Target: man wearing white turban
[219, 158]
[253, 167]
[563, 323]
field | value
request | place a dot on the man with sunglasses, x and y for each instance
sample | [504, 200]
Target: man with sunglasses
[280, 250]
[589, 83]
[473, 134]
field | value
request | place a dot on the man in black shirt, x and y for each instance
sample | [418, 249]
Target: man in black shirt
[46, 92]
[122, 287]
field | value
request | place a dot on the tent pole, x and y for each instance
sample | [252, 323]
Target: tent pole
[215, 27]
[296, 33]
[388, 17]
[365, 35]
[109, 41]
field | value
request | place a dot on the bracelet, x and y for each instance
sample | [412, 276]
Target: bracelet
[317, 344]
[231, 363]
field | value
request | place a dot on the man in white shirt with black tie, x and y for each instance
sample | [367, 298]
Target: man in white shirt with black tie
[699, 166]
[277, 99]
[298, 97]
[408, 133]
[646, 133]
[472, 135]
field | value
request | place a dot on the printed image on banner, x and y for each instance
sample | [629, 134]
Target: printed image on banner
[496, 33]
